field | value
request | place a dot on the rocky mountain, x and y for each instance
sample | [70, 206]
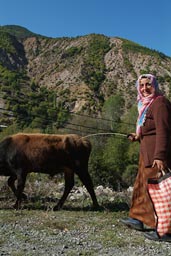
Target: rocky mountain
[83, 72]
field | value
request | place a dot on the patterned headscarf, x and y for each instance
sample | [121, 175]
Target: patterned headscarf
[145, 102]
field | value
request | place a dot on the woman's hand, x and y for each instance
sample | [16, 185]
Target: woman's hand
[133, 137]
[161, 165]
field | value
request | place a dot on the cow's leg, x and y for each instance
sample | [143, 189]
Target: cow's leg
[21, 179]
[11, 184]
[69, 183]
[87, 182]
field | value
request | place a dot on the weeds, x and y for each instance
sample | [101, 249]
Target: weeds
[77, 229]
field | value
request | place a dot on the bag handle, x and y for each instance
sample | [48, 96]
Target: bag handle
[167, 170]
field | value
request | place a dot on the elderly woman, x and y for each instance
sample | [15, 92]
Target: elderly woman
[153, 131]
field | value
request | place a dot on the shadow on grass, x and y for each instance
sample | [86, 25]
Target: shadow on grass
[47, 203]
[112, 207]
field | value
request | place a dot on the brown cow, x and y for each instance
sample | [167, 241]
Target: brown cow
[23, 153]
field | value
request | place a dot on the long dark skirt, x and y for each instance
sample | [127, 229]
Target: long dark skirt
[142, 207]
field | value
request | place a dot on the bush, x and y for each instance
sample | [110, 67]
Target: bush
[129, 174]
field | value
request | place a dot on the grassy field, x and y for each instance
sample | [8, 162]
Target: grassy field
[98, 229]
[77, 229]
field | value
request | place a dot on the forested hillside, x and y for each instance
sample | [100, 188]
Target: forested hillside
[82, 85]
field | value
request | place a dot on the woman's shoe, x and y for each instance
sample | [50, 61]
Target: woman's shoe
[133, 223]
[154, 236]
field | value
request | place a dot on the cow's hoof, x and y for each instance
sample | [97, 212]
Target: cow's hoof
[97, 207]
[24, 196]
[16, 206]
[56, 208]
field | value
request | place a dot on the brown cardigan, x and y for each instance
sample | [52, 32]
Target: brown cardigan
[155, 142]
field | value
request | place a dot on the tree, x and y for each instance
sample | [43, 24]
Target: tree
[115, 160]
[113, 110]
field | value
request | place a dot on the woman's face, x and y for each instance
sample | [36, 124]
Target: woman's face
[145, 86]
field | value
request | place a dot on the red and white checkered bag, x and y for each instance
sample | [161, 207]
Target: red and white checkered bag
[160, 193]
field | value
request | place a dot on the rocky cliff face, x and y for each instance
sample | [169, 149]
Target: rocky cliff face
[49, 65]
[68, 66]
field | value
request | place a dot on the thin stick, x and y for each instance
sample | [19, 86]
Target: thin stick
[105, 133]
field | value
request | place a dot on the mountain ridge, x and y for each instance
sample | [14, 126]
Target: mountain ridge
[18, 31]
[83, 72]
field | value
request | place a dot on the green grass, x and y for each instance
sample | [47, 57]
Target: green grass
[82, 227]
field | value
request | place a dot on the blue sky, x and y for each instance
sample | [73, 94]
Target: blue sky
[146, 22]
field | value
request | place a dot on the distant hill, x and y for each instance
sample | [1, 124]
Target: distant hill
[18, 31]
[80, 74]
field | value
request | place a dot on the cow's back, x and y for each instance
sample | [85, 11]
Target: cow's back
[76, 143]
[48, 152]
